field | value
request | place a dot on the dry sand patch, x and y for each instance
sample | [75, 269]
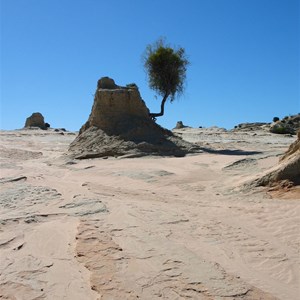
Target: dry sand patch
[153, 228]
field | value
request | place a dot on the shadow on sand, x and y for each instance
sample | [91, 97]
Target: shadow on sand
[230, 152]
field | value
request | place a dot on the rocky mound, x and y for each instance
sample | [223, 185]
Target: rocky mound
[287, 125]
[179, 125]
[251, 126]
[119, 124]
[36, 120]
[287, 170]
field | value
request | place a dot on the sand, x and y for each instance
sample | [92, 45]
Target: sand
[146, 228]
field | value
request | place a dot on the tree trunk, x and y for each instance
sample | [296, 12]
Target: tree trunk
[162, 108]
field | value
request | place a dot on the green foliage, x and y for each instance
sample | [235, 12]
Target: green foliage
[275, 119]
[166, 68]
[280, 130]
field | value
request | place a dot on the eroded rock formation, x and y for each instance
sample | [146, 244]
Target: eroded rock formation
[179, 125]
[120, 124]
[287, 125]
[36, 120]
[288, 168]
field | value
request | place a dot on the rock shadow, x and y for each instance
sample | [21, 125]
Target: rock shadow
[230, 152]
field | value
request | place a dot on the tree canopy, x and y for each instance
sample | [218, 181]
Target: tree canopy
[166, 69]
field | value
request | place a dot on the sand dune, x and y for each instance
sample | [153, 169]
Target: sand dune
[146, 228]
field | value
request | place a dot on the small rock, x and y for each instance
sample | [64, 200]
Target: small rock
[179, 125]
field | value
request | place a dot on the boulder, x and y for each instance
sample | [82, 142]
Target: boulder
[36, 120]
[119, 124]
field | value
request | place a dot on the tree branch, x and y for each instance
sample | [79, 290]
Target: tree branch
[162, 108]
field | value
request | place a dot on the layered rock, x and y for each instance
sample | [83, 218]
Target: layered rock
[120, 124]
[36, 120]
[288, 168]
[117, 110]
[294, 148]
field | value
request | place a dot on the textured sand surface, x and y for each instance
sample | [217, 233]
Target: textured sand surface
[146, 228]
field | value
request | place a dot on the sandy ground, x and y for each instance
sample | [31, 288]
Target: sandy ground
[145, 228]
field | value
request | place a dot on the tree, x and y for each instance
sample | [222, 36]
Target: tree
[166, 70]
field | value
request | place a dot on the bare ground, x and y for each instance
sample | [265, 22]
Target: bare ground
[146, 228]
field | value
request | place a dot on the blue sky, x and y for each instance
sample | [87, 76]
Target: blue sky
[244, 58]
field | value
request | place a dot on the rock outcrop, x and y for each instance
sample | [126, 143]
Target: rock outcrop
[287, 170]
[294, 148]
[282, 128]
[250, 126]
[287, 125]
[36, 120]
[179, 125]
[120, 124]
[107, 83]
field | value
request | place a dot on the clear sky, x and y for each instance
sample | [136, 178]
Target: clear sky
[244, 58]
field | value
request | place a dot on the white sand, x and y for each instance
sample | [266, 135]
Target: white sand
[145, 228]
